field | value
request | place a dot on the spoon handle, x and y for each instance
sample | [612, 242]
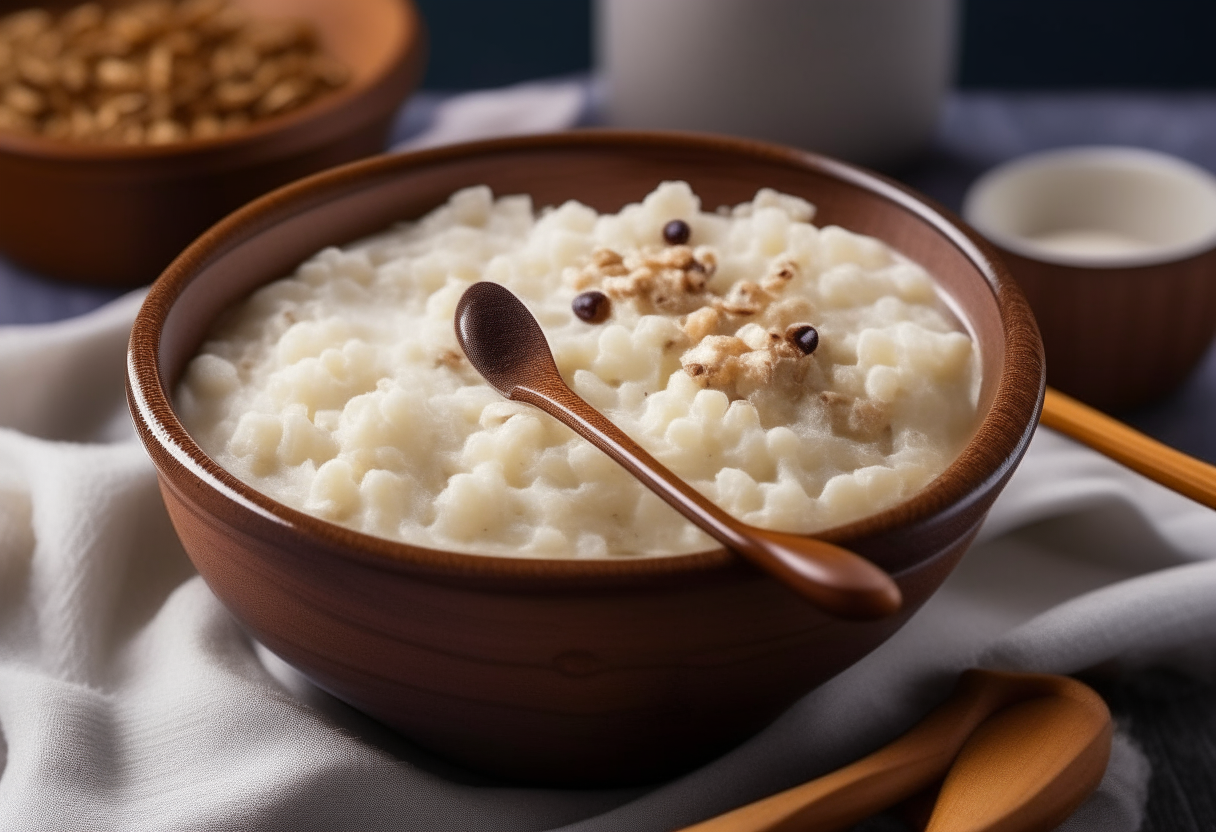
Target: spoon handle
[913, 762]
[835, 579]
[1161, 463]
[568, 407]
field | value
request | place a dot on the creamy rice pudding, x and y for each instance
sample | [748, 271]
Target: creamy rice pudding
[799, 377]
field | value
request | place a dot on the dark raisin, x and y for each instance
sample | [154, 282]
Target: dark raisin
[592, 307]
[676, 233]
[805, 338]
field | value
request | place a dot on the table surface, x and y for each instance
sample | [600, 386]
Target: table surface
[1172, 717]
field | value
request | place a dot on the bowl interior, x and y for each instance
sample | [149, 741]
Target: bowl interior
[347, 208]
[1097, 207]
[606, 170]
[365, 35]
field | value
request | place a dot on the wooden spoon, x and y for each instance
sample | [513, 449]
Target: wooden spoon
[505, 344]
[1020, 752]
[1161, 463]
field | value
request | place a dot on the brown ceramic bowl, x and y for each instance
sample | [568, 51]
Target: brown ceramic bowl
[561, 671]
[1115, 248]
[116, 215]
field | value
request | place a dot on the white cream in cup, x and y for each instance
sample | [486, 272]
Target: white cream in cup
[1096, 207]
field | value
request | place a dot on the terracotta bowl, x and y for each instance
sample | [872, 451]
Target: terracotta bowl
[1115, 248]
[116, 215]
[562, 671]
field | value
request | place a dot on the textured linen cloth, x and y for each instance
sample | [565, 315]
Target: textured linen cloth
[130, 699]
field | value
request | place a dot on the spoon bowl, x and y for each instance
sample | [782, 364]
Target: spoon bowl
[1018, 751]
[505, 344]
[1028, 766]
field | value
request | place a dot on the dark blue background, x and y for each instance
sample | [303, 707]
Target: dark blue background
[1028, 44]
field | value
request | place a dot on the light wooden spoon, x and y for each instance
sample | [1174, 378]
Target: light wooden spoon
[1161, 463]
[1019, 751]
[505, 344]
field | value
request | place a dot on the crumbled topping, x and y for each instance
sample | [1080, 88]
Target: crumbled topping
[452, 359]
[735, 364]
[745, 298]
[702, 322]
[864, 420]
[670, 280]
[726, 349]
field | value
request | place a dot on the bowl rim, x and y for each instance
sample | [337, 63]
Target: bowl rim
[994, 450]
[331, 112]
[978, 200]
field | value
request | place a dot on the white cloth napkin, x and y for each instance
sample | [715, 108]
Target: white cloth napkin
[520, 109]
[129, 698]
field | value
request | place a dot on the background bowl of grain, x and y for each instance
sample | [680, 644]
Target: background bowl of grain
[562, 671]
[117, 214]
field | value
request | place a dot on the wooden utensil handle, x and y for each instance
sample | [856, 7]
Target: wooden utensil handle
[842, 798]
[836, 580]
[1173, 469]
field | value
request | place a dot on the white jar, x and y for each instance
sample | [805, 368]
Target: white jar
[861, 80]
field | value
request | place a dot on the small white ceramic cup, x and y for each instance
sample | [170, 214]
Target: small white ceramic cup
[1115, 248]
[861, 80]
